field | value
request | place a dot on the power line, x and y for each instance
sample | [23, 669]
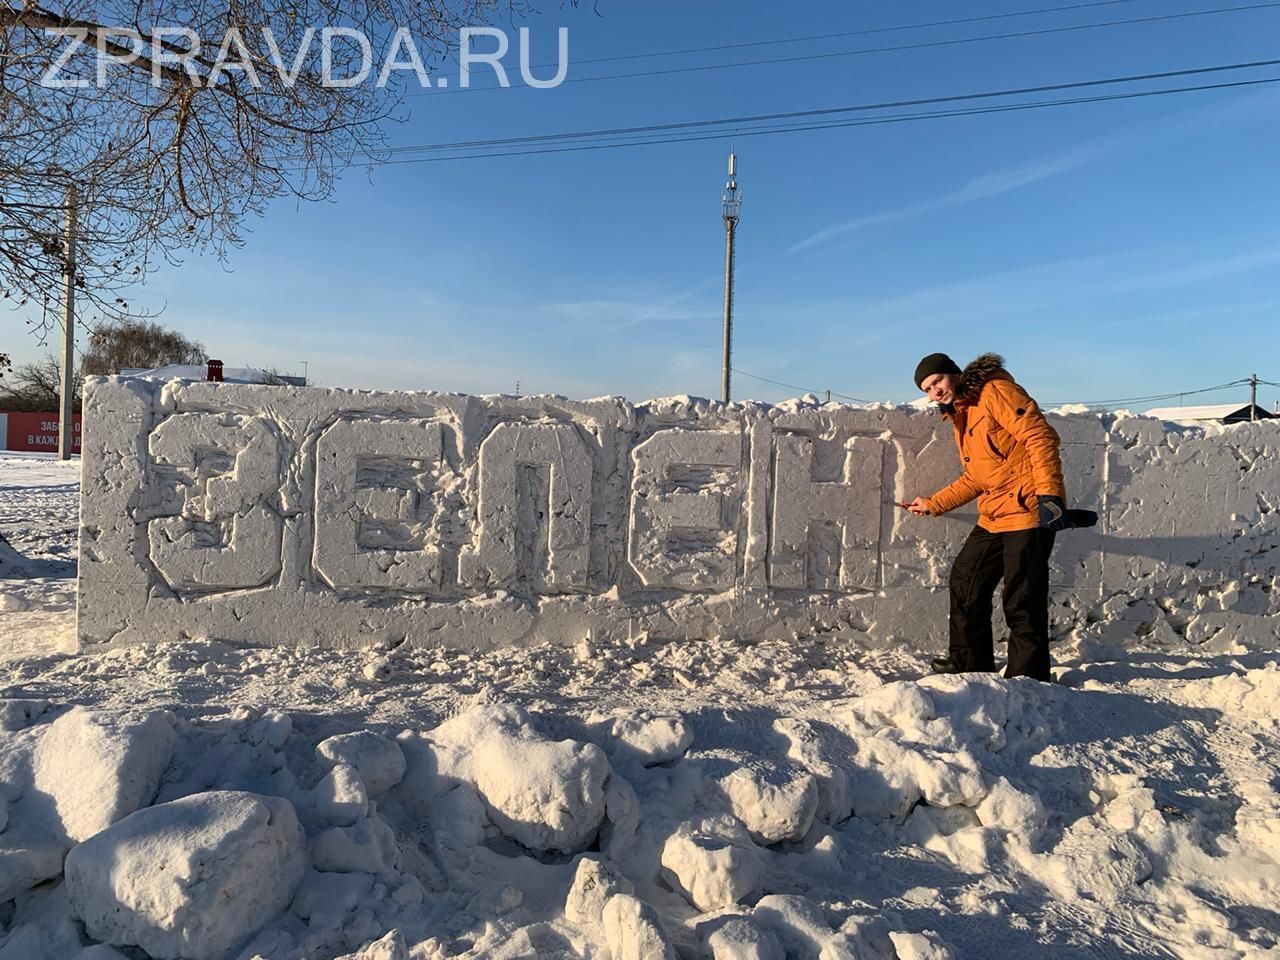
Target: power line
[897, 48]
[605, 145]
[792, 386]
[1162, 396]
[628, 136]
[830, 111]
[848, 33]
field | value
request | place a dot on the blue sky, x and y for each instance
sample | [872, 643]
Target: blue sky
[1107, 250]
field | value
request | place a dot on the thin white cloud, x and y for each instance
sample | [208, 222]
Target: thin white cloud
[1003, 181]
[621, 314]
[983, 187]
[1016, 298]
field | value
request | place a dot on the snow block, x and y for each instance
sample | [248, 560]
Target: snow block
[921, 946]
[651, 739]
[190, 879]
[632, 930]
[738, 938]
[340, 798]
[824, 755]
[337, 518]
[100, 767]
[1008, 808]
[922, 741]
[22, 869]
[389, 947]
[18, 714]
[548, 796]
[368, 846]
[711, 872]
[378, 761]
[593, 884]
[797, 922]
[776, 800]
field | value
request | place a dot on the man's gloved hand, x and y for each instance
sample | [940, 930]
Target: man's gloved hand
[1053, 513]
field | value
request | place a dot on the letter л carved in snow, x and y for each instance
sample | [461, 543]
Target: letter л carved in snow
[496, 560]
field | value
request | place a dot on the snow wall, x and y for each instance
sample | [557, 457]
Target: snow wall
[341, 518]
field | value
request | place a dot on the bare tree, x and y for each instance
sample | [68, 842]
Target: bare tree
[138, 344]
[35, 387]
[173, 153]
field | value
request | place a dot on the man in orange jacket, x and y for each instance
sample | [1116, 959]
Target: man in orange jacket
[1009, 454]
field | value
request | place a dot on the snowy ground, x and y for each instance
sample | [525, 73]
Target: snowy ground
[39, 511]
[786, 799]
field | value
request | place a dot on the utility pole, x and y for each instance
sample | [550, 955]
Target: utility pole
[1253, 398]
[66, 432]
[732, 202]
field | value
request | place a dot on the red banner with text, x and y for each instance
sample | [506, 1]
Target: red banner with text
[39, 432]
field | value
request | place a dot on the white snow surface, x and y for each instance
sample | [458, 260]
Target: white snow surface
[39, 518]
[191, 878]
[788, 798]
[332, 517]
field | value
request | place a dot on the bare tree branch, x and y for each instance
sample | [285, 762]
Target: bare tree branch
[164, 160]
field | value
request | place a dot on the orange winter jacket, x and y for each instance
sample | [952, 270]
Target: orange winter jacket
[1008, 450]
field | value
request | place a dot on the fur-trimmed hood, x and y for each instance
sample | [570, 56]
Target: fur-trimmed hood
[989, 366]
[1008, 448]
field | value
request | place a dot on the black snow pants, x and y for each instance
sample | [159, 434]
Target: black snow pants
[1021, 557]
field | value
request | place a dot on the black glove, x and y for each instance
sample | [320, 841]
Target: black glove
[1082, 518]
[1053, 513]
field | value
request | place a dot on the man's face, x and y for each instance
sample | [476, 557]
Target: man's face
[940, 387]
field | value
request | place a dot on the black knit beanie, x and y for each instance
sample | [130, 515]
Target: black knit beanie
[934, 363]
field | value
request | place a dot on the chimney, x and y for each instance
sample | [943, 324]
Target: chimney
[215, 371]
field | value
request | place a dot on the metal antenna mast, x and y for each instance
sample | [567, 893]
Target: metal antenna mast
[732, 210]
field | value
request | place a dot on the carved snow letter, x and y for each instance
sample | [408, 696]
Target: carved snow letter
[806, 551]
[684, 509]
[535, 509]
[373, 504]
[224, 533]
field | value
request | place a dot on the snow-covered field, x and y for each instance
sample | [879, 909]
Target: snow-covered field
[787, 799]
[39, 517]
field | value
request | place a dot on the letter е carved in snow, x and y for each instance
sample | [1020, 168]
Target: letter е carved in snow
[684, 506]
[373, 505]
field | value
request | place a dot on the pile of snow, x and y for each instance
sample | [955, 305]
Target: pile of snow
[883, 825]
[546, 796]
[191, 878]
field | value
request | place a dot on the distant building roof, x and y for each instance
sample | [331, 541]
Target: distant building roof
[1224, 412]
